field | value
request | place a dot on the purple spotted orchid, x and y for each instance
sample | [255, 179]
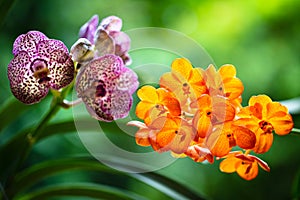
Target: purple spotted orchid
[106, 86]
[96, 41]
[39, 64]
[104, 83]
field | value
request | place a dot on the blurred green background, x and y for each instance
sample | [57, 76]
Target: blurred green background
[260, 37]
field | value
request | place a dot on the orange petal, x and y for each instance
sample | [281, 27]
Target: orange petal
[275, 109]
[141, 136]
[218, 143]
[233, 88]
[227, 71]
[197, 82]
[204, 102]
[154, 113]
[170, 82]
[222, 109]
[244, 112]
[142, 108]
[170, 101]
[283, 125]
[167, 133]
[174, 85]
[164, 138]
[158, 123]
[279, 118]
[147, 93]
[182, 67]
[229, 164]
[257, 110]
[245, 138]
[263, 142]
[183, 138]
[247, 171]
[249, 123]
[196, 77]
[212, 78]
[173, 106]
[262, 100]
[202, 123]
[176, 135]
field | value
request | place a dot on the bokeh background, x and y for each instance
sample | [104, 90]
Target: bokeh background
[260, 37]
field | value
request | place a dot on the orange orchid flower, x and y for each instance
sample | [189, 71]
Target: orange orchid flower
[245, 165]
[223, 82]
[184, 81]
[225, 136]
[143, 135]
[197, 113]
[211, 110]
[176, 135]
[156, 103]
[262, 116]
[164, 134]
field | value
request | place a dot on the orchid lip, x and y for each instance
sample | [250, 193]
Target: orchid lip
[40, 71]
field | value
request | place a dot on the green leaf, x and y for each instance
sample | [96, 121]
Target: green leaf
[14, 152]
[10, 156]
[167, 186]
[11, 108]
[37, 172]
[63, 128]
[40, 171]
[22, 143]
[82, 190]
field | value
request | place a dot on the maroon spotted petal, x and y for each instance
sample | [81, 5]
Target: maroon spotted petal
[28, 42]
[105, 88]
[61, 68]
[23, 84]
[46, 47]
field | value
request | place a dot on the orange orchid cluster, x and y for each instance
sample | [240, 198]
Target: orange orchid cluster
[197, 113]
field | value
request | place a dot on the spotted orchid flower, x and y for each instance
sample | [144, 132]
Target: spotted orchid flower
[106, 86]
[39, 64]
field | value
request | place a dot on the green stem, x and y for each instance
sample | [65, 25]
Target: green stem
[31, 139]
[34, 135]
[296, 130]
[56, 104]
